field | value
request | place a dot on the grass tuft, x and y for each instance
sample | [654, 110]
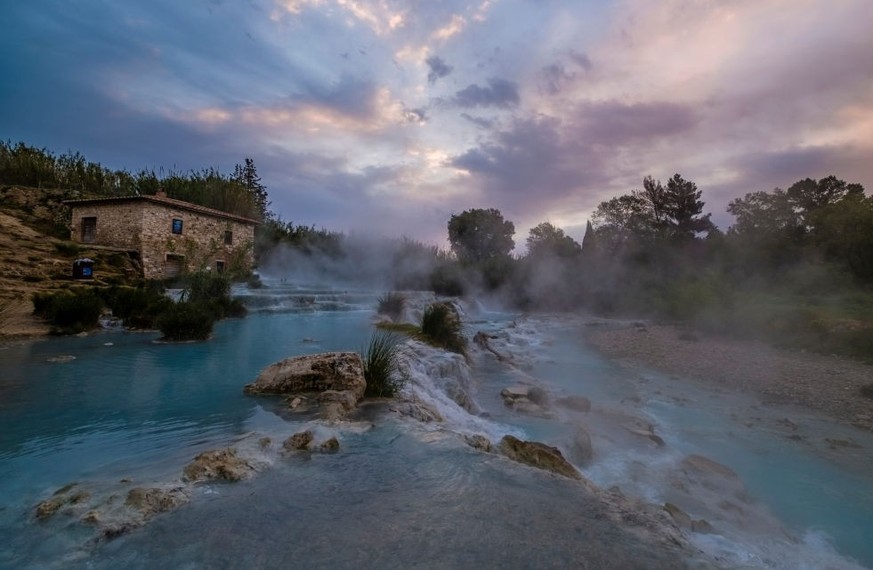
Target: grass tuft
[392, 305]
[380, 366]
[441, 326]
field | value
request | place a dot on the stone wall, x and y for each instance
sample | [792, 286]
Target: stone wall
[146, 227]
[118, 225]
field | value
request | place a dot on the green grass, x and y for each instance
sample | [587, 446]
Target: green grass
[381, 367]
[441, 326]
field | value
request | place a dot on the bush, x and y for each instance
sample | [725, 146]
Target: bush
[138, 307]
[441, 326]
[205, 286]
[69, 312]
[391, 305]
[67, 248]
[186, 321]
[380, 366]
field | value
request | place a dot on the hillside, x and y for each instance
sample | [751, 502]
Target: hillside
[36, 255]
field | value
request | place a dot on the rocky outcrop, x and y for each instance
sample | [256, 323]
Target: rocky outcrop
[299, 441]
[330, 446]
[218, 464]
[63, 497]
[330, 371]
[538, 455]
[526, 399]
[150, 501]
[479, 442]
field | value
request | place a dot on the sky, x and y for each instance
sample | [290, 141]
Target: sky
[390, 116]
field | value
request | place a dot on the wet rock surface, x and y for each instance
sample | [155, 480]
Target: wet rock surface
[329, 371]
[538, 455]
[219, 464]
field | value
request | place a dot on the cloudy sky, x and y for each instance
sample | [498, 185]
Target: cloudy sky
[394, 114]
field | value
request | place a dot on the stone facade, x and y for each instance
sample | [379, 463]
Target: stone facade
[169, 236]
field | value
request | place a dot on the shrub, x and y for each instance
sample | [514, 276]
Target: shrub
[391, 305]
[186, 321]
[441, 326]
[69, 312]
[213, 291]
[138, 307]
[67, 248]
[380, 366]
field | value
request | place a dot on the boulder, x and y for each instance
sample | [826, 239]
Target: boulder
[479, 442]
[220, 464]
[525, 399]
[576, 403]
[538, 455]
[299, 441]
[330, 446]
[48, 507]
[151, 501]
[337, 371]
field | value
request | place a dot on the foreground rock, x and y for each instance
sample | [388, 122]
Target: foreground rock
[329, 371]
[218, 464]
[538, 455]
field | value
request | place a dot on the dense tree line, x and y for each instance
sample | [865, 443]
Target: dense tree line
[796, 267]
[241, 193]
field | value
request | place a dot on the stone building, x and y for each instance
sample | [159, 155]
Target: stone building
[167, 236]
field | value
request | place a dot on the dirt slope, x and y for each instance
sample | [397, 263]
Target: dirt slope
[34, 257]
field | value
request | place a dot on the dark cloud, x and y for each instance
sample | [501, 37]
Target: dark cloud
[479, 121]
[580, 59]
[552, 78]
[532, 166]
[615, 123]
[438, 69]
[498, 93]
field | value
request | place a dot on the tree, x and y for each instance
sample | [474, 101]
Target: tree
[479, 236]
[247, 175]
[546, 240]
[683, 209]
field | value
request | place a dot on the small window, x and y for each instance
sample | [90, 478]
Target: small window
[89, 229]
[219, 266]
[177, 226]
[228, 237]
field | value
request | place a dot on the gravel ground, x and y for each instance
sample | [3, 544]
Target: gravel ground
[827, 384]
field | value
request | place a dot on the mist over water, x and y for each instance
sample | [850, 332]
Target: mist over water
[401, 493]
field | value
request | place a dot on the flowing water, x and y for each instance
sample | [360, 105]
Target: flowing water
[127, 411]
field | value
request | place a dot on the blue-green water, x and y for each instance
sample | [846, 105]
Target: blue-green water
[128, 408]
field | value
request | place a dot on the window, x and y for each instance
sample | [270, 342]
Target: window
[228, 237]
[177, 226]
[219, 266]
[89, 229]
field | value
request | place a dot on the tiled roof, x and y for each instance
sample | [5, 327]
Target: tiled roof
[164, 201]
